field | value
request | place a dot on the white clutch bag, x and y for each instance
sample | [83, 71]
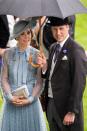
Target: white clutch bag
[21, 91]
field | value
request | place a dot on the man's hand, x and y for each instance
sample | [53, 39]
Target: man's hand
[41, 60]
[69, 118]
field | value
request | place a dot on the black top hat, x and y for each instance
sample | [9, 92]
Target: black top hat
[55, 21]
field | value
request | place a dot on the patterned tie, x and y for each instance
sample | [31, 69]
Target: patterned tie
[56, 53]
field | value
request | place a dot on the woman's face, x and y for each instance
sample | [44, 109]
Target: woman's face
[25, 37]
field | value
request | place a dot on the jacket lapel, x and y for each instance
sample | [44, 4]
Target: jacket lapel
[51, 56]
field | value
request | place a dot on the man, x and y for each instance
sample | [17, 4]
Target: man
[65, 79]
[4, 31]
[48, 38]
[72, 20]
[4, 35]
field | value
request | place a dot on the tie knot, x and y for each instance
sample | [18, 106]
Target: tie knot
[57, 47]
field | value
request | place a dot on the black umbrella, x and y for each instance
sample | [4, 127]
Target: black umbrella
[32, 8]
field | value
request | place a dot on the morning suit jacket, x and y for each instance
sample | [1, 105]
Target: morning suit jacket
[68, 81]
[4, 31]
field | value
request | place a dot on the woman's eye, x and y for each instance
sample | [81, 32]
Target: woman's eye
[28, 32]
[22, 33]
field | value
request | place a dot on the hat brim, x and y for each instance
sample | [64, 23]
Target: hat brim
[15, 35]
[55, 21]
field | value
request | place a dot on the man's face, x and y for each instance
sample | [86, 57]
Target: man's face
[60, 32]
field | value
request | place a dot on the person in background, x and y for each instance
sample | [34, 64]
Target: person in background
[72, 20]
[37, 30]
[65, 75]
[4, 35]
[21, 113]
[11, 22]
[4, 31]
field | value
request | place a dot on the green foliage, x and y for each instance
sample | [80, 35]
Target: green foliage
[81, 37]
[81, 28]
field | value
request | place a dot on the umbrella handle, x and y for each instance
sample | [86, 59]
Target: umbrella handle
[41, 48]
[31, 62]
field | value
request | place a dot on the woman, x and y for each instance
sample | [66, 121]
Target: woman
[20, 113]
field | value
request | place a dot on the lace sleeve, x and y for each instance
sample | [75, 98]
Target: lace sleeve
[39, 84]
[4, 74]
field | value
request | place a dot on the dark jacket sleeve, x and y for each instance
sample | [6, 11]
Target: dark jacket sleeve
[4, 31]
[79, 70]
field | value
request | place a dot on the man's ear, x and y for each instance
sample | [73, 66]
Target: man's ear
[68, 26]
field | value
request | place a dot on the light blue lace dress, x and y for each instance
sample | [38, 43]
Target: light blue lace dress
[20, 72]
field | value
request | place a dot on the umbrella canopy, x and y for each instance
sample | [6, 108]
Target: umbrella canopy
[32, 8]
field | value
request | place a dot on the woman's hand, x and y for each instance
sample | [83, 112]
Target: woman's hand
[20, 101]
